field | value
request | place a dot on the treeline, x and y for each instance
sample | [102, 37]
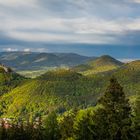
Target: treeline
[111, 119]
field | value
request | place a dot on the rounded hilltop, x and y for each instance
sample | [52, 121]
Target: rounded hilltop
[61, 74]
[105, 60]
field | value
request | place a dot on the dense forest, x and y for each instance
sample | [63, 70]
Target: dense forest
[84, 102]
[112, 118]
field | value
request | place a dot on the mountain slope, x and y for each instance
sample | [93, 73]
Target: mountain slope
[105, 60]
[128, 75]
[37, 61]
[8, 79]
[62, 89]
[130, 72]
[101, 64]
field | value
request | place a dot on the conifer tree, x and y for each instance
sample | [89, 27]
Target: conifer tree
[110, 120]
[116, 120]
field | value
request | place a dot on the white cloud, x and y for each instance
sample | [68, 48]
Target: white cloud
[27, 50]
[127, 60]
[47, 24]
[10, 49]
[75, 30]
[97, 26]
[27, 25]
[133, 24]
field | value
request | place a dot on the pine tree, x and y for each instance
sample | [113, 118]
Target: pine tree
[109, 120]
[115, 114]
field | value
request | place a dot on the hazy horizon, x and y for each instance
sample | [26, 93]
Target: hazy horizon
[127, 52]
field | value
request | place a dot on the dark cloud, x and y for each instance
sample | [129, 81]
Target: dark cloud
[5, 40]
[129, 38]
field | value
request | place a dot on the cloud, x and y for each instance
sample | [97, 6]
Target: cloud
[35, 49]
[136, 1]
[82, 21]
[71, 30]
[10, 49]
[41, 50]
[27, 50]
[127, 60]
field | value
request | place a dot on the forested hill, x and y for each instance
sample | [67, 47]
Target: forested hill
[100, 64]
[65, 89]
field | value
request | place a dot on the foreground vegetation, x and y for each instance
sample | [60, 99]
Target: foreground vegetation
[111, 119]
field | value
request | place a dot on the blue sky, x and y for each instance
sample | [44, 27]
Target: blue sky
[88, 27]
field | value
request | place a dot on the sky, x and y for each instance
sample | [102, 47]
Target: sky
[87, 27]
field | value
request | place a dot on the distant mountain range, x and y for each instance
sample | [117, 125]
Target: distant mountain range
[37, 61]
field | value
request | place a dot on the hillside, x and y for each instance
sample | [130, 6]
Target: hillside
[105, 60]
[59, 90]
[39, 61]
[8, 79]
[128, 75]
[64, 89]
[101, 64]
[129, 72]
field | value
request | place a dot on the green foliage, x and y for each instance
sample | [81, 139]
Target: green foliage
[59, 90]
[64, 89]
[117, 112]
[110, 119]
[66, 122]
[83, 125]
[51, 127]
[9, 79]
[136, 118]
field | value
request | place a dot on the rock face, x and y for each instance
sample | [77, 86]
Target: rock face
[3, 68]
